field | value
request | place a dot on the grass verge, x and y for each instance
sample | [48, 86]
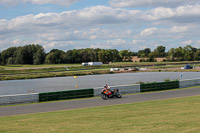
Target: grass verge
[173, 115]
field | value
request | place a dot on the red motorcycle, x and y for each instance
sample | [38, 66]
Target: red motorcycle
[110, 93]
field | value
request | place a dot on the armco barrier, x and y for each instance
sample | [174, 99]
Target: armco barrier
[189, 83]
[18, 99]
[159, 86]
[124, 89]
[62, 95]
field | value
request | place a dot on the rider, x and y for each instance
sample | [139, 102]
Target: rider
[106, 89]
[113, 91]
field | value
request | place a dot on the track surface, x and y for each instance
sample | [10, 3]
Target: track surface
[95, 102]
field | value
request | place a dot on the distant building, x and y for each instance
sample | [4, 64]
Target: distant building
[136, 59]
[160, 59]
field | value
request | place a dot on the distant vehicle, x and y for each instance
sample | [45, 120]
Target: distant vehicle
[188, 66]
[114, 69]
[94, 63]
[85, 64]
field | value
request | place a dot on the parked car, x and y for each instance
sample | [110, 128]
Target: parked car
[188, 66]
[85, 64]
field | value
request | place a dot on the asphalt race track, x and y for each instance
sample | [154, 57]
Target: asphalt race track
[95, 102]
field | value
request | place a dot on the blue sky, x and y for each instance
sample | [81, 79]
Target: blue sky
[109, 24]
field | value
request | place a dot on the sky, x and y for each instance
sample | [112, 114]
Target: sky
[109, 24]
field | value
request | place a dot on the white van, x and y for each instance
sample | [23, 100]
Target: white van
[94, 63]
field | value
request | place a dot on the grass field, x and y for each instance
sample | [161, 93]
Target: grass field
[181, 115]
[14, 72]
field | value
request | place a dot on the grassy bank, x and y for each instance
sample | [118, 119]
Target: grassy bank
[180, 115]
[12, 72]
[44, 71]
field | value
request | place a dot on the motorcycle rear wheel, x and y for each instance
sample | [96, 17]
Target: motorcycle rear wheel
[119, 95]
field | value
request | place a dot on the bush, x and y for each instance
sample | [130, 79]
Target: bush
[167, 79]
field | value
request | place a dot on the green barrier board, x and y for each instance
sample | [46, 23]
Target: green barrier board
[62, 95]
[159, 86]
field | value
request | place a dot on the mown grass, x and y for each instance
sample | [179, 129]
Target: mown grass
[32, 72]
[180, 115]
[54, 74]
[155, 63]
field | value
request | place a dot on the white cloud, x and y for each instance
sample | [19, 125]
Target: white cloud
[149, 31]
[177, 29]
[188, 42]
[39, 2]
[95, 17]
[101, 45]
[182, 14]
[152, 3]
[111, 44]
[198, 42]
[48, 25]
[138, 41]
[103, 27]
[9, 2]
[117, 42]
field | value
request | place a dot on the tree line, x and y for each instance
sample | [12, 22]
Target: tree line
[35, 54]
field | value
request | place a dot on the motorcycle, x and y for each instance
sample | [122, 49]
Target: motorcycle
[110, 93]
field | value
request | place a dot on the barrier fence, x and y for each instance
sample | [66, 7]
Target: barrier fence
[189, 83]
[20, 98]
[63, 95]
[159, 86]
[85, 93]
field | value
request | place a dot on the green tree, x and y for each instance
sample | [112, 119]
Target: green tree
[111, 55]
[197, 55]
[75, 56]
[144, 53]
[160, 51]
[0, 58]
[68, 56]
[93, 54]
[125, 55]
[101, 55]
[39, 56]
[21, 54]
[29, 54]
[72, 56]
[8, 54]
[179, 54]
[85, 54]
[171, 54]
[189, 53]
[55, 56]
[152, 56]
[115, 55]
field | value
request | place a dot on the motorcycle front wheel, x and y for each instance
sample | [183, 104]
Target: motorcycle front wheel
[104, 96]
